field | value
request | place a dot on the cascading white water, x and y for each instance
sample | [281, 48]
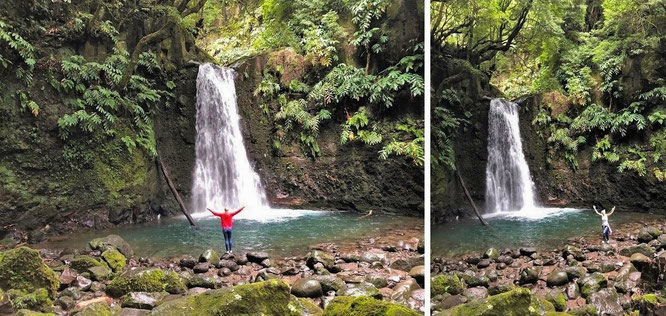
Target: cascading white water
[509, 185]
[223, 176]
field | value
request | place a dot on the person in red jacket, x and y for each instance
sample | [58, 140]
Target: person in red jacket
[227, 223]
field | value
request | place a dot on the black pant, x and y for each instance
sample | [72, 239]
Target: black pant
[227, 238]
[605, 230]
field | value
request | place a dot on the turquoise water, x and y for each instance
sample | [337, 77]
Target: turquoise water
[546, 229]
[286, 237]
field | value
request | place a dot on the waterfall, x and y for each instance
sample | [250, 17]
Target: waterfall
[509, 185]
[223, 175]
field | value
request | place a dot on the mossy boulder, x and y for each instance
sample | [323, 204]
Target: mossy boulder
[592, 283]
[100, 273]
[112, 241]
[445, 283]
[491, 254]
[318, 256]
[27, 312]
[82, 263]
[96, 309]
[23, 269]
[646, 234]
[646, 303]
[517, 302]
[38, 300]
[558, 299]
[261, 298]
[557, 277]
[146, 280]
[361, 289]
[365, 306]
[640, 248]
[114, 259]
[210, 256]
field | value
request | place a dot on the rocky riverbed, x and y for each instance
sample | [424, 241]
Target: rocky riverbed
[584, 277]
[382, 274]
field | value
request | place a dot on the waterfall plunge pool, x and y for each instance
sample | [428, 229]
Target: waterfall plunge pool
[282, 237]
[542, 228]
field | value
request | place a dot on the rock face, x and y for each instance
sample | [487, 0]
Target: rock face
[146, 280]
[23, 269]
[268, 298]
[344, 306]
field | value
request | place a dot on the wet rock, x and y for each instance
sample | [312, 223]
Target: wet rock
[204, 281]
[646, 234]
[82, 283]
[557, 277]
[572, 290]
[474, 260]
[407, 263]
[377, 279]
[473, 280]
[201, 267]
[491, 254]
[229, 264]
[317, 256]
[23, 269]
[527, 251]
[418, 273]
[606, 302]
[361, 289]
[402, 292]
[224, 272]
[142, 300]
[575, 272]
[640, 248]
[529, 275]
[330, 283]
[241, 260]
[65, 302]
[100, 273]
[72, 292]
[606, 266]
[389, 248]
[307, 287]
[112, 241]
[188, 262]
[501, 266]
[265, 263]
[505, 259]
[483, 264]
[290, 271]
[146, 280]
[67, 277]
[478, 292]
[639, 260]
[573, 251]
[257, 256]
[500, 288]
[210, 256]
[592, 283]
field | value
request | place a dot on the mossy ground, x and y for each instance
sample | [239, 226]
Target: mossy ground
[365, 306]
[148, 280]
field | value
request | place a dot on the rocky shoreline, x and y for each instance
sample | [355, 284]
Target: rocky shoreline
[584, 277]
[377, 274]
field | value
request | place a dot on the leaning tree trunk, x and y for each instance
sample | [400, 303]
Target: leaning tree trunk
[469, 198]
[174, 191]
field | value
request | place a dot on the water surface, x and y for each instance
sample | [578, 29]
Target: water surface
[543, 228]
[289, 236]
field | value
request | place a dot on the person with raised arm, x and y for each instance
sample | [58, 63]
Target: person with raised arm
[606, 231]
[227, 223]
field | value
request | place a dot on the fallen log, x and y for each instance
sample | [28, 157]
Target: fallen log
[469, 198]
[174, 191]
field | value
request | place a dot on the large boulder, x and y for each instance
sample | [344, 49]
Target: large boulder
[647, 234]
[573, 251]
[261, 298]
[406, 264]
[23, 269]
[557, 277]
[606, 301]
[330, 283]
[304, 306]
[363, 305]
[257, 256]
[445, 283]
[112, 241]
[146, 280]
[516, 302]
[307, 287]
[210, 256]
[529, 275]
[592, 283]
[640, 248]
[402, 292]
[38, 300]
[114, 259]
